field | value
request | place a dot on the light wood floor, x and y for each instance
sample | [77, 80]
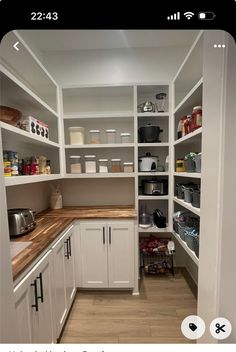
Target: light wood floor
[118, 317]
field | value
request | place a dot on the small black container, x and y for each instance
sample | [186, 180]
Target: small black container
[159, 219]
[149, 134]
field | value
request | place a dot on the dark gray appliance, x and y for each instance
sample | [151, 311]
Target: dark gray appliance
[155, 187]
[149, 133]
[21, 221]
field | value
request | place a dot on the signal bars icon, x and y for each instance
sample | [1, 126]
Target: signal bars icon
[174, 17]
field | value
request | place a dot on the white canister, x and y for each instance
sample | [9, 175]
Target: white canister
[76, 135]
[90, 164]
[56, 200]
[75, 164]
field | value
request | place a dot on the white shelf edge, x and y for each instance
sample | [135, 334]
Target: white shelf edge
[27, 90]
[115, 145]
[153, 144]
[153, 114]
[153, 229]
[188, 174]
[184, 245]
[28, 135]
[88, 115]
[189, 95]
[21, 180]
[188, 206]
[143, 197]
[153, 173]
[101, 175]
[189, 136]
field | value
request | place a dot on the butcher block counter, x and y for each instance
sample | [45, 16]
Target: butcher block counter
[51, 223]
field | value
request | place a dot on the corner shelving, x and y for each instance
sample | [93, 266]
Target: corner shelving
[188, 206]
[184, 245]
[153, 229]
[188, 174]
[189, 138]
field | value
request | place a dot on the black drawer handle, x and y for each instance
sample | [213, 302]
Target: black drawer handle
[40, 277]
[69, 246]
[109, 235]
[35, 305]
[67, 249]
[103, 234]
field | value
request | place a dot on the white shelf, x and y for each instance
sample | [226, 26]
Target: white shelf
[22, 135]
[99, 115]
[101, 175]
[193, 98]
[153, 229]
[188, 174]
[21, 180]
[186, 248]
[114, 145]
[188, 206]
[144, 197]
[153, 114]
[190, 137]
[153, 144]
[153, 173]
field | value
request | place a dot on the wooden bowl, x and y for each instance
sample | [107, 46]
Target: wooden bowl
[9, 115]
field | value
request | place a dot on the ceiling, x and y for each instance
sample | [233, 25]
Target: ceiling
[64, 40]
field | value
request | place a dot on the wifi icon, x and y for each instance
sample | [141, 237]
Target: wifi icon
[188, 15]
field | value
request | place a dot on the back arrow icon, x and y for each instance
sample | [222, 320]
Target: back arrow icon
[15, 46]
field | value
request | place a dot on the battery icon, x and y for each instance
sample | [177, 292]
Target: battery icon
[207, 15]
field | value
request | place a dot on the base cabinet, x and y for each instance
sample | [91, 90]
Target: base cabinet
[33, 304]
[106, 254]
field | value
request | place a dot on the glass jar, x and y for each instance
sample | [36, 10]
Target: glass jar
[161, 102]
[125, 137]
[76, 135]
[94, 136]
[115, 165]
[7, 168]
[75, 164]
[90, 164]
[128, 166]
[111, 136]
[197, 116]
[180, 165]
[103, 165]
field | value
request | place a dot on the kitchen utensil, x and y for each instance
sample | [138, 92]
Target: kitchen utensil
[9, 115]
[21, 221]
[159, 219]
[149, 133]
[155, 187]
[147, 106]
[148, 163]
[76, 135]
[161, 101]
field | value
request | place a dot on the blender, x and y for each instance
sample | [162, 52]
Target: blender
[161, 102]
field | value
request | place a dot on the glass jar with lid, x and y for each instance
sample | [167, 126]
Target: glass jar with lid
[111, 136]
[94, 137]
[128, 166]
[90, 164]
[125, 137]
[75, 164]
[115, 165]
[103, 165]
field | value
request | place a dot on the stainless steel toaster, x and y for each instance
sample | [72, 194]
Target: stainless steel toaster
[21, 221]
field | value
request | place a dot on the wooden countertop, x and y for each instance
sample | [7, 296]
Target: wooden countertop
[50, 223]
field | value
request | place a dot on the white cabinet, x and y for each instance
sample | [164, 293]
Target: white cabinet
[107, 254]
[33, 303]
[63, 278]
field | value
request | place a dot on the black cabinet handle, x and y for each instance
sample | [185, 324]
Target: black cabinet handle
[103, 234]
[35, 305]
[69, 246]
[109, 235]
[40, 277]
[67, 249]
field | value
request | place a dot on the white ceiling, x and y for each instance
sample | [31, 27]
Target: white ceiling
[64, 40]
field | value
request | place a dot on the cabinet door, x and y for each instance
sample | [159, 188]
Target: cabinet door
[94, 255]
[42, 328]
[23, 308]
[59, 283]
[121, 254]
[69, 268]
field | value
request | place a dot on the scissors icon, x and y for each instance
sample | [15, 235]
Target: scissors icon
[219, 328]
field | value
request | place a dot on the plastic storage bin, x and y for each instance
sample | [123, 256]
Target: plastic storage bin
[94, 137]
[111, 136]
[76, 135]
[103, 165]
[198, 162]
[75, 164]
[189, 165]
[181, 230]
[128, 166]
[115, 165]
[196, 195]
[90, 164]
[125, 137]
[187, 194]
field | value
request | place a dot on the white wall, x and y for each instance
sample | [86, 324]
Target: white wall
[114, 65]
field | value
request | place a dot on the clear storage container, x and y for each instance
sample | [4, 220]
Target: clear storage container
[103, 165]
[94, 137]
[115, 165]
[76, 135]
[111, 136]
[128, 166]
[75, 164]
[90, 164]
[125, 137]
